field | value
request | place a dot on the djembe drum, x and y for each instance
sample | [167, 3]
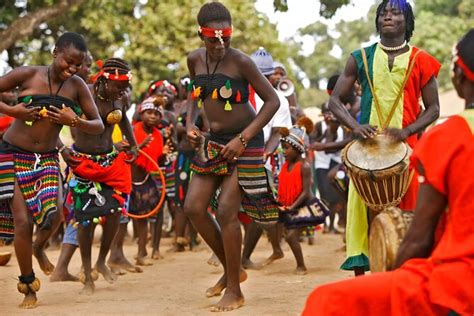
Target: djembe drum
[378, 168]
[386, 233]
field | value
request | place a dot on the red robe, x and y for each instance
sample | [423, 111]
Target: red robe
[443, 282]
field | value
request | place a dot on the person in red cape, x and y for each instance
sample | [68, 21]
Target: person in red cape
[145, 195]
[101, 176]
[432, 276]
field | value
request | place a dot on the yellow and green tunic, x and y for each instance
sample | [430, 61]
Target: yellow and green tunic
[387, 84]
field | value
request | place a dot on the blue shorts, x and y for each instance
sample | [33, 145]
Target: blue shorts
[70, 235]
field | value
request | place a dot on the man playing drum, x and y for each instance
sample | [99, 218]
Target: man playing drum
[393, 76]
[436, 257]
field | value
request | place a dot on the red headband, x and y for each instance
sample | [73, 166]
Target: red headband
[217, 33]
[160, 83]
[467, 72]
[110, 73]
[329, 91]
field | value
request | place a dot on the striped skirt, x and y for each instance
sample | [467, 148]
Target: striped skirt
[38, 179]
[258, 201]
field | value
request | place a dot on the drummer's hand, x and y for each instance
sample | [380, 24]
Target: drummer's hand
[397, 134]
[364, 131]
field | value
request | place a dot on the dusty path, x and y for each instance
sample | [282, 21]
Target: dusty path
[176, 284]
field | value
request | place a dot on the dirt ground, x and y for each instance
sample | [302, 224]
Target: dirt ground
[176, 284]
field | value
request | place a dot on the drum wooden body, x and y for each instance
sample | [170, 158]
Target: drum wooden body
[386, 233]
[378, 168]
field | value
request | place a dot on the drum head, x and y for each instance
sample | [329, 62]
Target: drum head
[378, 153]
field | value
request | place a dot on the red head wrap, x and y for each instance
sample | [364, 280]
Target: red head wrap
[160, 83]
[110, 73]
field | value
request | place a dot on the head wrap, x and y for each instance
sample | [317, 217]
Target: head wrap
[152, 103]
[297, 136]
[279, 65]
[264, 61]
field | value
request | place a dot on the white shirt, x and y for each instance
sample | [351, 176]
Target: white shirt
[282, 117]
[323, 160]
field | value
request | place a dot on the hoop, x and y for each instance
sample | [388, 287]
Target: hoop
[163, 191]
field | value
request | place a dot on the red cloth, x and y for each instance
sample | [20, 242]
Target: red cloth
[154, 149]
[290, 184]
[5, 122]
[118, 175]
[426, 66]
[252, 97]
[445, 280]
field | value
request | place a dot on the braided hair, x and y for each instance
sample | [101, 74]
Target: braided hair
[71, 38]
[213, 12]
[407, 10]
[113, 65]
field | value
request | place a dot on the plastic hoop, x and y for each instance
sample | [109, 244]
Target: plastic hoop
[163, 191]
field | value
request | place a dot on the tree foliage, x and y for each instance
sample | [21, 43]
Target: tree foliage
[439, 25]
[154, 36]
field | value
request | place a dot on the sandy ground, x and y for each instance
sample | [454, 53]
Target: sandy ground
[176, 284]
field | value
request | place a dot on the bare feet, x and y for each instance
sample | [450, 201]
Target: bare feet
[118, 271]
[273, 257]
[301, 270]
[156, 255]
[82, 276]
[106, 273]
[29, 301]
[88, 289]
[221, 284]
[122, 263]
[213, 260]
[43, 260]
[61, 276]
[250, 265]
[229, 302]
[142, 261]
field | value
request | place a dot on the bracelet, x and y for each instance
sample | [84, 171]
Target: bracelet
[74, 121]
[242, 140]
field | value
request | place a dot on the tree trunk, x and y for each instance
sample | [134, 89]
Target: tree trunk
[24, 26]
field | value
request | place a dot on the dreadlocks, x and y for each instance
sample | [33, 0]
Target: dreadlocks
[407, 10]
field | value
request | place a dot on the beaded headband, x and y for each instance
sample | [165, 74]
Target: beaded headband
[160, 83]
[217, 33]
[111, 73]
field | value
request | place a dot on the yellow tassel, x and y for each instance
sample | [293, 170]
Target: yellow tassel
[199, 103]
[23, 288]
[228, 106]
[35, 285]
[214, 94]
[43, 112]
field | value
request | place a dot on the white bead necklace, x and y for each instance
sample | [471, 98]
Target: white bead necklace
[392, 49]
